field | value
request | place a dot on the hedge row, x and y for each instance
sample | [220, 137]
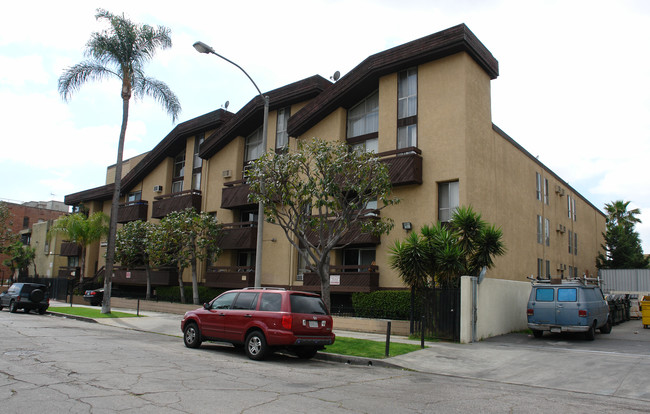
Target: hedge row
[173, 294]
[393, 304]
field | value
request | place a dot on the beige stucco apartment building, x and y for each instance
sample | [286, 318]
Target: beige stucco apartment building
[425, 108]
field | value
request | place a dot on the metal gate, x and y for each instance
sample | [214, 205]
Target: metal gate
[58, 286]
[440, 314]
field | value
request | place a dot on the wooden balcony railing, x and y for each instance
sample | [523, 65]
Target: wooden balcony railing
[404, 165]
[241, 235]
[167, 203]
[135, 210]
[138, 277]
[230, 277]
[345, 279]
[70, 249]
[235, 195]
[355, 236]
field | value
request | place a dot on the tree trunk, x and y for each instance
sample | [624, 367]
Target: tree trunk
[323, 269]
[195, 284]
[147, 271]
[112, 227]
[82, 265]
[180, 284]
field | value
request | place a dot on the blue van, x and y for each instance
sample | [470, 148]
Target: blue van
[567, 305]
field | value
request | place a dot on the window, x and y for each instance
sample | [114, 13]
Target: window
[545, 191]
[223, 301]
[303, 264]
[567, 294]
[363, 118]
[407, 108]
[197, 162]
[548, 269]
[25, 222]
[547, 232]
[134, 196]
[570, 242]
[359, 257]
[246, 301]
[575, 244]
[369, 145]
[246, 258]
[540, 267]
[538, 177]
[571, 208]
[271, 302]
[544, 294]
[179, 172]
[248, 216]
[281, 134]
[73, 261]
[254, 148]
[540, 236]
[448, 200]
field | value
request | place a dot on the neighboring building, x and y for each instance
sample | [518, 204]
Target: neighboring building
[48, 260]
[27, 214]
[425, 108]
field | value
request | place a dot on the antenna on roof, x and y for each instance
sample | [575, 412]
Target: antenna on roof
[336, 76]
[225, 106]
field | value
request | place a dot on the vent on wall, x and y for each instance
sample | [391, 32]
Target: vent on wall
[157, 188]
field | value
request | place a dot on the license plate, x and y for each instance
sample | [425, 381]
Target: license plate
[313, 324]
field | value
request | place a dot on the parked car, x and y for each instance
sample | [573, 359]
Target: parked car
[26, 296]
[574, 305]
[262, 320]
[94, 297]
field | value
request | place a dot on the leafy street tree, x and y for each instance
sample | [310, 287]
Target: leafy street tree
[7, 236]
[20, 257]
[82, 230]
[440, 254]
[182, 238]
[320, 193]
[131, 247]
[622, 243]
[120, 52]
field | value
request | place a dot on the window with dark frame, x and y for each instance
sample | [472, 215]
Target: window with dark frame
[407, 108]
[197, 163]
[281, 133]
[179, 172]
[363, 124]
[448, 200]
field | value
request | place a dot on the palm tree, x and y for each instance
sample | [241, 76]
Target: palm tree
[121, 52]
[617, 214]
[81, 230]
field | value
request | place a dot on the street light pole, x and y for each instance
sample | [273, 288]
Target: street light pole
[203, 48]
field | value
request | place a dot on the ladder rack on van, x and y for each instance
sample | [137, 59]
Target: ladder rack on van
[584, 280]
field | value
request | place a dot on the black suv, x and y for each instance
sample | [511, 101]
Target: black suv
[26, 296]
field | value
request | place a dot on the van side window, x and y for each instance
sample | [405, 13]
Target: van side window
[246, 300]
[544, 295]
[223, 301]
[567, 294]
[271, 302]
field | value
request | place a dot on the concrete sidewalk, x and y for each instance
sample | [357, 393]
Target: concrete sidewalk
[553, 362]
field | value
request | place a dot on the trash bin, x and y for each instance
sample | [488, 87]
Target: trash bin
[645, 311]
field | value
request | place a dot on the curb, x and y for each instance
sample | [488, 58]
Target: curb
[75, 317]
[353, 360]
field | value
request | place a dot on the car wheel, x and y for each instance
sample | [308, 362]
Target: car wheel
[607, 328]
[256, 347]
[192, 335]
[13, 308]
[537, 334]
[305, 352]
[26, 310]
[42, 310]
[590, 335]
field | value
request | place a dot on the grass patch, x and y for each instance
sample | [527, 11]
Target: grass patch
[368, 349]
[90, 312]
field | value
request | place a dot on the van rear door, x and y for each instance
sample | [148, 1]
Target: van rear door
[567, 307]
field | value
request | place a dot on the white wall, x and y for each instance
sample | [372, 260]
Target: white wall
[501, 307]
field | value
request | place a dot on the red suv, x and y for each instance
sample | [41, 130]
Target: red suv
[261, 320]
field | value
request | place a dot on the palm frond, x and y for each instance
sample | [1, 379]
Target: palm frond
[159, 91]
[77, 75]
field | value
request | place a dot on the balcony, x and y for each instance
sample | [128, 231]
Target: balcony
[165, 204]
[238, 236]
[404, 165]
[230, 277]
[235, 195]
[350, 279]
[70, 249]
[136, 210]
[138, 277]
[354, 237]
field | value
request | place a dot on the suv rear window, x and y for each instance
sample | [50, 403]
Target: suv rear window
[307, 304]
[544, 295]
[567, 295]
[271, 302]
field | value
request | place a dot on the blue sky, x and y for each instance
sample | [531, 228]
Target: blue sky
[573, 89]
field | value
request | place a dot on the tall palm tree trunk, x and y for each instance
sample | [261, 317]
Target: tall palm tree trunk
[112, 228]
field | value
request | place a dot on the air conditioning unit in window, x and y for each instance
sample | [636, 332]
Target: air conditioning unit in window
[561, 228]
[299, 277]
[559, 190]
[226, 173]
[157, 189]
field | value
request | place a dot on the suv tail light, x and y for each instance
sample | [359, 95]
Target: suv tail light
[582, 313]
[530, 312]
[287, 320]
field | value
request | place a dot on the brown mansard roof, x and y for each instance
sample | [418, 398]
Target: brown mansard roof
[250, 117]
[364, 78]
[171, 145]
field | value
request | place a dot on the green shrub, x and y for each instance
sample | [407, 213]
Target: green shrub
[172, 293]
[389, 304]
